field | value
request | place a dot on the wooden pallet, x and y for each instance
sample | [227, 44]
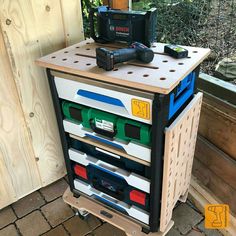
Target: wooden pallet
[128, 226]
[161, 75]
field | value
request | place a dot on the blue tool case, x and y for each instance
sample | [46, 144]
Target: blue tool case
[112, 185]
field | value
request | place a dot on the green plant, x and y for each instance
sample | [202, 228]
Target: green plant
[86, 6]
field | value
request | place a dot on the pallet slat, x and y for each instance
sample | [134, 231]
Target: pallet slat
[222, 119]
[216, 160]
[215, 184]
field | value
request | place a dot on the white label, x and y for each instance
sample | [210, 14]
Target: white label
[105, 125]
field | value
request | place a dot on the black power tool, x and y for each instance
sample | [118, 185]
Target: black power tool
[124, 26]
[106, 59]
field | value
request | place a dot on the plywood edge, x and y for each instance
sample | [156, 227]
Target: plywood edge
[200, 196]
[109, 79]
[129, 227]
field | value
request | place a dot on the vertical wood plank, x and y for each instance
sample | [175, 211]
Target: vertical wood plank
[49, 23]
[26, 40]
[18, 169]
[73, 22]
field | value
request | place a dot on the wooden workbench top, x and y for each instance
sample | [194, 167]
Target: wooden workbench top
[161, 75]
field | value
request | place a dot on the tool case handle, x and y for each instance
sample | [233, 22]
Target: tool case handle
[101, 131]
[119, 194]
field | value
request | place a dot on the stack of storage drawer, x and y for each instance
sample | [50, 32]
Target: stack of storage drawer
[114, 139]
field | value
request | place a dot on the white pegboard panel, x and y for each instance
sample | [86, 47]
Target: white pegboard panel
[180, 140]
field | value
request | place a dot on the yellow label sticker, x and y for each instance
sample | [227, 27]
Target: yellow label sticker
[216, 216]
[140, 109]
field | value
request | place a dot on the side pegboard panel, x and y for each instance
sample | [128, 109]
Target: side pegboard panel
[180, 140]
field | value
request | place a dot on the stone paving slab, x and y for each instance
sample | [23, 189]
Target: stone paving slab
[107, 230]
[10, 230]
[58, 231]
[57, 212]
[194, 232]
[208, 232]
[28, 204]
[54, 190]
[7, 216]
[77, 227]
[33, 224]
[185, 218]
[173, 232]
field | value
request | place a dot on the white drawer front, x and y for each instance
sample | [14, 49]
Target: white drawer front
[132, 211]
[132, 179]
[138, 150]
[120, 103]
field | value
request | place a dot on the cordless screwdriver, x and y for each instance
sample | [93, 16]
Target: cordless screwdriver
[106, 59]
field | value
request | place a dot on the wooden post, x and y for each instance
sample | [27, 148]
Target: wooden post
[115, 4]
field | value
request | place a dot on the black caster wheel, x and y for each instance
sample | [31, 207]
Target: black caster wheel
[83, 215]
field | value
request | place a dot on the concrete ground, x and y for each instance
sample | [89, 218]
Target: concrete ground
[44, 213]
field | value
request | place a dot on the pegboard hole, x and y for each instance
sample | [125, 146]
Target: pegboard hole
[64, 59]
[77, 47]
[171, 70]
[195, 51]
[186, 130]
[66, 52]
[145, 75]
[76, 61]
[180, 63]
[187, 117]
[87, 49]
[181, 126]
[53, 57]
[87, 43]
[189, 57]
[154, 46]
[162, 78]
[130, 72]
[165, 61]
[115, 69]
[172, 149]
[88, 64]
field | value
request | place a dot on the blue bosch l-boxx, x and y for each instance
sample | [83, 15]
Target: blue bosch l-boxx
[122, 189]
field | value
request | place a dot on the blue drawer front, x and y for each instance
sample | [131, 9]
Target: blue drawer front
[183, 92]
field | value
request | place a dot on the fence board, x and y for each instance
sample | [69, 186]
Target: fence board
[26, 38]
[73, 22]
[18, 169]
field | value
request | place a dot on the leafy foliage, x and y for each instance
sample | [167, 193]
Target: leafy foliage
[177, 21]
[86, 6]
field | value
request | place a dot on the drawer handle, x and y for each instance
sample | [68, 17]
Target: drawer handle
[106, 214]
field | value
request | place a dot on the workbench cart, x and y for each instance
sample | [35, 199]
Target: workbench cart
[128, 135]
